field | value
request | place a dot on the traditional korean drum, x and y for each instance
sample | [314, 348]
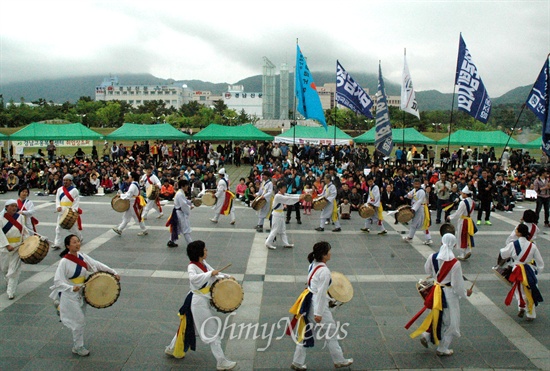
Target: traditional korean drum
[308, 198]
[446, 228]
[196, 202]
[366, 211]
[424, 286]
[404, 214]
[68, 218]
[101, 290]
[319, 203]
[152, 192]
[227, 295]
[258, 203]
[340, 289]
[120, 205]
[209, 198]
[503, 270]
[33, 250]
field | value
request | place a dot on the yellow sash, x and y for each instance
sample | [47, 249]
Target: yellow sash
[526, 289]
[380, 209]
[426, 223]
[179, 347]
[66, 203]
[301, 324]
[433, 317]
[78, 280]
[14, 239]
[471, 231]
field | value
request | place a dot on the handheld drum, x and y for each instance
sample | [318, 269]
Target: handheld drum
[319, 203]
[33, 250]
[424, 286]
[366, 212]
[404, 214]
[258, 203]
[196, 202]
[340, 289]
[152, 192]
[227, 295]
[120, 205]
[101, 290]
[68, 218]
[209, 198]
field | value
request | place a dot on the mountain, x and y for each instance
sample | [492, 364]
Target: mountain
[72, 88]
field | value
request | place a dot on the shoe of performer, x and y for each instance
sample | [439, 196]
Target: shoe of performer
[381, 233]
[213, 220]
[11, 296]
[467, 256]
[81, 351]
[530, 319]
[479, 222]
[346, 363]
[160, 216]
[299, 222]
[226, 365]
[289, 246]
[407, 239]
[287, 222]
[172, 244]
[319, 229]
[365, 230]
[337, 230]
[57, 247]
[232, 222]
[438, 222]
[143, 233]
[521, 313]
[424, 342]
[326, 223]
[298, 367]
[488, 223]
[259, 229]
[116, 230]
[169, 352]
[396, 222]
[444, 354]
[270, 246]
[429, 242]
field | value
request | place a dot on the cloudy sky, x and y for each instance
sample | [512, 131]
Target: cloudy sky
[224, 41]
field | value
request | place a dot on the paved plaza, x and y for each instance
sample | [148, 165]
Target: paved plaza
[133, 332]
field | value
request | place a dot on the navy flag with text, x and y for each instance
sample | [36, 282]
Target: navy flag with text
[538, 101]
[349, 94]
[383, 141]
[472, 96]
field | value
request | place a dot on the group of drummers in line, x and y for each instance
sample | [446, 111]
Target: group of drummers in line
[77, 274]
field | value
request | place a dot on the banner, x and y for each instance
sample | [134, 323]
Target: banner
[57, 143]
[537, 101]
[383, 141]
[309, 103]
[472, 96]
[408, 98]
[349, 94]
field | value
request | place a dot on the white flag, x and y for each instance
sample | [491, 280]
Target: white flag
[408, 99]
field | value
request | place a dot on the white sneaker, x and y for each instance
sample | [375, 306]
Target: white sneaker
[117, 231]
[226, 365]
[298, 367]
[160, 216]
[429, 242]
[143, 233]
[213, 220]
[270, 246]
[407, 239]
[346, 363]
[83, 352]
[169, 352]
[289, 246]
[10, 296]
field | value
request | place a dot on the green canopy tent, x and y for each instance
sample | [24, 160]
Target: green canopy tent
[314, 135]
[130, 131]
[47, 132]
[479, 138]
[536, 144]
[412, 136]
[215, 132]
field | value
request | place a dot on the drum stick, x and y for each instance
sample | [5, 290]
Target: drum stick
[473, 283]
[227, 266]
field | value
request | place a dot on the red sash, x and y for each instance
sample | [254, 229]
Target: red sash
[200, 265]
[516, 277]
[14, 222]
[532, 232]
[312, 274]
[149, 179]
[70, 197]
[76, 260]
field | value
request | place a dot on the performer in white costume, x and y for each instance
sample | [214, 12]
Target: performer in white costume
[71, 273]
[530, 219]
[278, 226]
[465, 226]
[26, 207]
[196, 312]
[148, 179]
[266, 192]
[179, 220]
[136, 206]
[67, 196]
[224, 199]
[330, 211]
[374, 200]
[421, 218]
[12, 235]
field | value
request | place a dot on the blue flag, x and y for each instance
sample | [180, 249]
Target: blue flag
[538, 103]
[383, 141]
[349, 94]
[309, 103]
[472, 96]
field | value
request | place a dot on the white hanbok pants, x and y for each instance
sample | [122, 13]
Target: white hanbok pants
[72, 310]
[10, 265]
[127, 217]
[278, 227]
[74, 230]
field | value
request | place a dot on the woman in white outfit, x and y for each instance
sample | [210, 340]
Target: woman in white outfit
[179, 221]
[278, 226]
[72, 271]
[196, 313]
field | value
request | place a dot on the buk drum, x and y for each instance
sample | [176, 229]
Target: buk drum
[367, 211]
[340, 289]
[68, 218]
[153, 192]
[120, 205]
[404, 214]
[308, 198]
[319, 203]
[503, 272]
[101, 290]
[227, 295]
[196, 202]
[258, 203]
[209, 198]
[33, 250]
[424, 286]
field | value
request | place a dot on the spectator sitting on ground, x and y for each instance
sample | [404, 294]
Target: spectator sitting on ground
[167, 191]
[107, 184]
[13, 181]
[240, 189]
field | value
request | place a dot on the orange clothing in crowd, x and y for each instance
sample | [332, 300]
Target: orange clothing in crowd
[167, 190]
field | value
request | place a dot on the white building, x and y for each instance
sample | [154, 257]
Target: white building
[237, 99]
[136, 95]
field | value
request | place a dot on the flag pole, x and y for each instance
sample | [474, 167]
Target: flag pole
[452, 108]
[293, 121]
[514, 128]
[404, 54]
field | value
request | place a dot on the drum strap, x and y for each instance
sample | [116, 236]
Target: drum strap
[80, 263]
[532, 232]
[517, 247]
[12, 222]
[200, 265]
